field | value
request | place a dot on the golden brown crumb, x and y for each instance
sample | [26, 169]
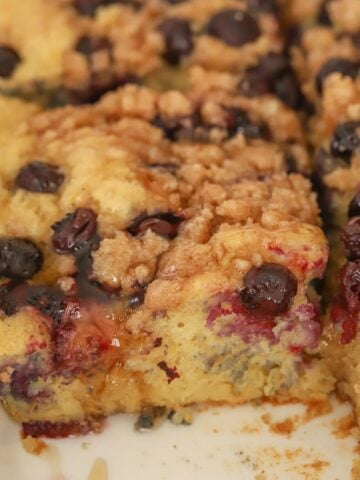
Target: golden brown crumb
[345, 426]
[33, 445]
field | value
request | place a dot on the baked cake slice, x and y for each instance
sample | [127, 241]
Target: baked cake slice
[326, 56]
[72, 51]
[148, 261]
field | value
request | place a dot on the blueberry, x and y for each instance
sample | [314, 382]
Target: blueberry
[39, 177]
[341, 65]
[346, 140]
[273, 74]
[164, 224]
[48, 300]
[324, 163]
[351, 239]
[240, 123]
[350, 287]
[90, 94]
[178, 39]
[20, 382]
[234, 27]
[274, 65]
[189, 128]
[269, 289]
[20, 258]
[75, 231]
[254, 83]
[9, 60]
[137, 299]
[170, 129]
[287, 89]
[87, 45]
[12, 296]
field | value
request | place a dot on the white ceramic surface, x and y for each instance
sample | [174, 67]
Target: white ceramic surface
[222, 444]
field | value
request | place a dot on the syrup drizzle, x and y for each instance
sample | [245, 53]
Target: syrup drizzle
[52, 455]
[99, 470]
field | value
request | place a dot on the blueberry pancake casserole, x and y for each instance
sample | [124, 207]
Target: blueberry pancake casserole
[176, 178]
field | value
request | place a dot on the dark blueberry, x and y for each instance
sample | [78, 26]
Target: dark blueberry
[262, 6]
[234, 27]
[346, 140]
[96, 90]
[272, 75]
[351, 239]
[287, 89]
[254, 83]
[178, 39]
[323, 16]
[259, 80]
[240, 123]
[20, 258]
[350, 286]
[159, 226]
[137, 299]
[354, 207]
[341, 65]
[269, 289]
[50, 301]
[274, 64]
[9, 60]
[188, 128]
[12, 296]
[292, 166]
[39, 177]
[88, 45]
[325, 163]
[75, 231]
[47, 300]
[164, 224]
[170, 130]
